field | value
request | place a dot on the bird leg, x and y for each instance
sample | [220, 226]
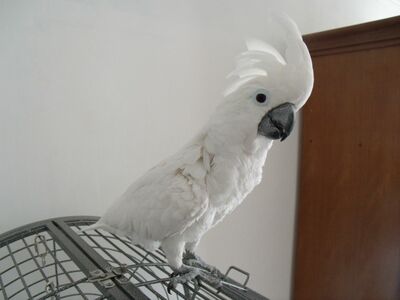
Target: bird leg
[187, 273]
[191, 259]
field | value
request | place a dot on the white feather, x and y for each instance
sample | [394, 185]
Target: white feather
[255, 45]
[248, 72]
[237, 84]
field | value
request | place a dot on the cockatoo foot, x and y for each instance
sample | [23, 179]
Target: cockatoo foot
[189, 273]
[191, 259]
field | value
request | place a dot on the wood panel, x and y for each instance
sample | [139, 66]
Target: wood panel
[348, 219]
[370, 35]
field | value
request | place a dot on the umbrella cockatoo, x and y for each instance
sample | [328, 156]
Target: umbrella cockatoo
[177, 201]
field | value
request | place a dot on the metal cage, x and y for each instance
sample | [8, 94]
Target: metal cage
[53, 259]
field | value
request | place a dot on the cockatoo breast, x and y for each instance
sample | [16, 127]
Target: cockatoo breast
[233, 176]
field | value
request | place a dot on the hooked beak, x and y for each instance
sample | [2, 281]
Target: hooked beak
[278, 122]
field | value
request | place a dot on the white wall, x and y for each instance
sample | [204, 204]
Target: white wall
[93, 93]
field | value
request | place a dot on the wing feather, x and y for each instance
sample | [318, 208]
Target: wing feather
[165, 201]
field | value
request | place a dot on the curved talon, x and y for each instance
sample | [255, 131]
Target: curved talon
[183, 275]
[173, 274]
[170, 287]
[191, 259]
[189, 273]
[197, 283]
[219, 290]
[217, 273]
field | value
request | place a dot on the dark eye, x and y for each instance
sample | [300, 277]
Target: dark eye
[261, 98]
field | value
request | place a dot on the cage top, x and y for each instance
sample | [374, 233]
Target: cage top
[54, 259]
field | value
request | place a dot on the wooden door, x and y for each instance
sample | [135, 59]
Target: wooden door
[348, 218]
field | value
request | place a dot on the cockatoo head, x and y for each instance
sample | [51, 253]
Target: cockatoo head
[272, 81]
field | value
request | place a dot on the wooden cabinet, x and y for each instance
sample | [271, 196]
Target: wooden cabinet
[348, 216]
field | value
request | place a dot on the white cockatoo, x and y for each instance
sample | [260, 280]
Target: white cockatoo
[181, 198]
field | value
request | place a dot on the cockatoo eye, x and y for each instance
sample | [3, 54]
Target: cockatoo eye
[261, 98]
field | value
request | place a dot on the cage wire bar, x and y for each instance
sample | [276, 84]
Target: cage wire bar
[54, 259]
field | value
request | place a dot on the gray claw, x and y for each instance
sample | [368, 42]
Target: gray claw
[189, 273]
[191, 259]
[183, 275]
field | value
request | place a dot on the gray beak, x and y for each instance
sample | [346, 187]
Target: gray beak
[278, 122]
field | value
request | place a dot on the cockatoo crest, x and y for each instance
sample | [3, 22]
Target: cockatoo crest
[284, 59]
